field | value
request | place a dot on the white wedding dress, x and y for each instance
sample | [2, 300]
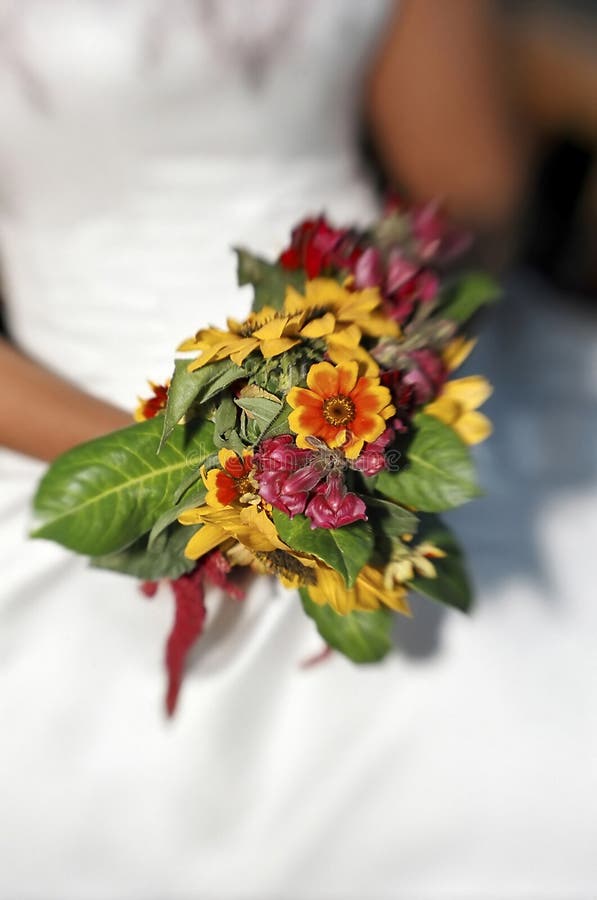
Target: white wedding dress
[139, 141]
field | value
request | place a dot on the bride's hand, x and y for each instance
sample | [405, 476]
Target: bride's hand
[43, 415]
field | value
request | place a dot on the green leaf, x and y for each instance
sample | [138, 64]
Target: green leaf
[467, 295]
[101, 496]
[279, 425]
[171, 515]
[261, 409]
[393, 519]
[164, 559]
[194, 475]
[440, 473]
[225, 418]
[364, 637]
[452, 586]
[200, 386]
[345, 549]
[269, 280]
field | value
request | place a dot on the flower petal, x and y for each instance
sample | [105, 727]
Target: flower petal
[322, 378]
[319, 327]
[473, 427]
[471, 391]
[277, 346]
[208, 537]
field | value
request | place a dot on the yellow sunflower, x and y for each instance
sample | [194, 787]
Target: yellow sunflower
[249, 525]
[327, 311]
[369, 592]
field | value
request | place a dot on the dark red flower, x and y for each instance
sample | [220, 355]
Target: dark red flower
[189, 614]
[189, 618]
[319, 248]
[149, 407]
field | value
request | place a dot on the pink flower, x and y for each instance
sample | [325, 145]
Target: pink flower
[435, 236]
[407, 284]
[426, 375]
[308, 477]
[280, 454]
[400, 271]
[373, 459]
[333, 506]
[281, 472]
[369, 271]
[273, 487]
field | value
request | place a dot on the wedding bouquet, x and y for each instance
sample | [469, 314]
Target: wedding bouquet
[315, 441]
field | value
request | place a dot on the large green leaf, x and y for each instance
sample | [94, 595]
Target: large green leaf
[200, 386]
[439, 473]
[394, 520]
[345, 549]
[452, 585]
[269, 280]
[101, 496]
[164, 559]
[363, 637]
[468, 294]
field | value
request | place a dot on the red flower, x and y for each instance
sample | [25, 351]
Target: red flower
[318, 247]
[149, 408]
[231, 482]
[189, 614]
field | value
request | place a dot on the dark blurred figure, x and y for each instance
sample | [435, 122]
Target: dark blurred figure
[493, 106]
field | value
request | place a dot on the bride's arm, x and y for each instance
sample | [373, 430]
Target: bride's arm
[42, 415]
[442, 112]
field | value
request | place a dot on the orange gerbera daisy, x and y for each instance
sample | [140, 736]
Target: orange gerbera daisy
[338, 406]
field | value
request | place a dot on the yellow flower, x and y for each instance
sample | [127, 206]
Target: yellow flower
[294, 570]
[249, 525]
[327, 311]
[457, 351]
[360, 308]
[369, 592]
[357, 314]
[234, 482]
[457, 405]
[339, 407]
[409, 561]
[270, 331]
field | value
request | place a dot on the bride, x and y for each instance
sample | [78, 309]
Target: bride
[141, 139]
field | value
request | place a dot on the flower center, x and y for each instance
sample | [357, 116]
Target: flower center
[254, 323]
[245, 485]
[338, 410]
[279, 562]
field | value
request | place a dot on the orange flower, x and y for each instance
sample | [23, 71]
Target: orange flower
[339, 407]
[151, 406]
[234, 482]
